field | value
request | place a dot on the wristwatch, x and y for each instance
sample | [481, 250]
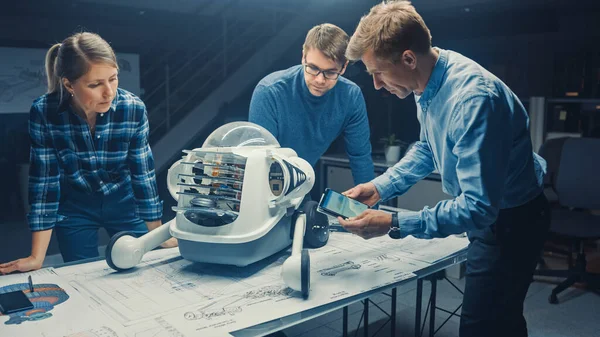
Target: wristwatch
[394, 231]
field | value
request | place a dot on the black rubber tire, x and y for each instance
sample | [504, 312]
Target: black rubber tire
[109, 247]
[317, 226]
[305, 273]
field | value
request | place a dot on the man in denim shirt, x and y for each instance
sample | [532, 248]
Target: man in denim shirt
[474, 131]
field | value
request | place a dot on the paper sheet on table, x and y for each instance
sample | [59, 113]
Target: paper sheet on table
[424, 250]
[59, 309]
[137, 299]
[341, 269]
[168, 296]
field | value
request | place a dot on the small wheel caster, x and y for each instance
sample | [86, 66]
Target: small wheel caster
[553, 299]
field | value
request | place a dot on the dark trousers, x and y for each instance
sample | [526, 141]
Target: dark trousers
[77, 234]
[500, 264]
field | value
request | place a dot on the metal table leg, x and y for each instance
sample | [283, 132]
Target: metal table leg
[393, 314]
[366, 321]
[345, 322]
[433, 297]
[418, 311]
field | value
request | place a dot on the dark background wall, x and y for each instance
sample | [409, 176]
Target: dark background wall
[545, 49]
[539, 48]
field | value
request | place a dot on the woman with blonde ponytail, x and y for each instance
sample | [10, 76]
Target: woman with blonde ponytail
[91, 164]
[53, 80]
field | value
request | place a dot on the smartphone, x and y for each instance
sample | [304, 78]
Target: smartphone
[337, 204]
[14, 301]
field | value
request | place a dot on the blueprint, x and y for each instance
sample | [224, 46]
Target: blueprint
[167, 296]
[424, 250]
[161, 283]
[102, 331]
[341, 269]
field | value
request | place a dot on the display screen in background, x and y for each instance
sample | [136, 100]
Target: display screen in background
[343, 205]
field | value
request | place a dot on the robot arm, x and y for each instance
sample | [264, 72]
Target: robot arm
[296, 269]
[124, 251]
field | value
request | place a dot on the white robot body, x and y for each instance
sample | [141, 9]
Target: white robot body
[262, 226]
[238, 202]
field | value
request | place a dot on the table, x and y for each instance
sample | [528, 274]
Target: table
[168, 294]
[430, 274]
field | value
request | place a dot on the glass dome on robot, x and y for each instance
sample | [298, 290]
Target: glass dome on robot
[240, 134]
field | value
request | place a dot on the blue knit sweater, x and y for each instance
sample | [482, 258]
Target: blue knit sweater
[282, 104]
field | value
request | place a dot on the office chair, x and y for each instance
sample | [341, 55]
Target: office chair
[551, 151]
[578, 190]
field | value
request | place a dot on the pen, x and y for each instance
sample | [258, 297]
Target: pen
[30, 284]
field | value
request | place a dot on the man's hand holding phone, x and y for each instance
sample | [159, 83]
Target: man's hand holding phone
[370, 223]
[366, 193]
[336, 204]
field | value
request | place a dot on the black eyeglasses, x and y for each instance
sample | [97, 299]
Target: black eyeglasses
[328, 74]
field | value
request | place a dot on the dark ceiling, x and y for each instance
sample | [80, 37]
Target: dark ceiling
[143, 26]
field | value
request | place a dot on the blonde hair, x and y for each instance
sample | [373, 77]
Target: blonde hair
[330, 39]
[72, 58]
[389, 29]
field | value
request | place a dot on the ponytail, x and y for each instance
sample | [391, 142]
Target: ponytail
[54, 83]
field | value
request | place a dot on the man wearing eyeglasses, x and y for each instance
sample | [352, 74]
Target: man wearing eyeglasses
[306, 107]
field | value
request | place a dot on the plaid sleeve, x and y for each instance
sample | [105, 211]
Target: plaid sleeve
[44, 175]
[143, 179]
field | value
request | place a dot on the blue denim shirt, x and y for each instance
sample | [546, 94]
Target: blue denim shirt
[475, 132]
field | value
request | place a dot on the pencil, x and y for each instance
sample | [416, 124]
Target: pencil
[30, 284]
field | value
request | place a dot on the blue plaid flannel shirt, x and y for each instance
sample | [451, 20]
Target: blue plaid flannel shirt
[63, 150]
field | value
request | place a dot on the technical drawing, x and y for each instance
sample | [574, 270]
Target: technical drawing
[236, 303]
[44, 298]
[15, 85]
[206, 314]
[268, 291]
[384, 257]
[124, 65]
[211, 300]
[166, 282]
[99, 332]
[332, 271]
[157, 327]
